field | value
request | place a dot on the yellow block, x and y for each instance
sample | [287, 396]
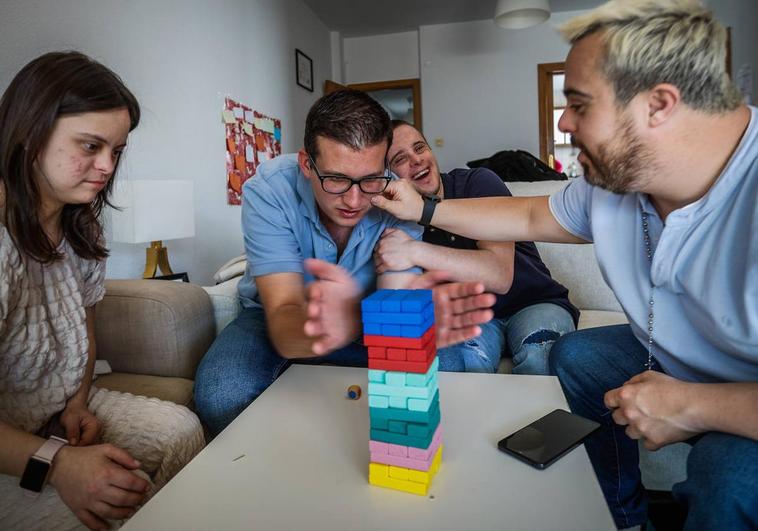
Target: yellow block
[394, 477]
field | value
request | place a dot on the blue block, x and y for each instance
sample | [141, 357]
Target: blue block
[416, 300]
[397, 318]
[373, 303]
[393, 303]
[372, 329]
[394, 330]
[415, 330]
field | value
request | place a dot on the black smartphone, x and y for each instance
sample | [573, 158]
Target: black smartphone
[546, 440]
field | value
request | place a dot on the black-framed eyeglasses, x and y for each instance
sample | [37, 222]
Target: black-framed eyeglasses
[339, 184]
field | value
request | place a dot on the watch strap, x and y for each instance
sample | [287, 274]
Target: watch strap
[430, 203]
[38, 467]
[51, 446]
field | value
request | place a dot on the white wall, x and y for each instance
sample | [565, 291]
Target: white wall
[479, 86]
[381, 57]
[742, 17]
[479, 81]
[181, 59]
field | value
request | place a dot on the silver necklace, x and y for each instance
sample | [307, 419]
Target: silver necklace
[646, 233]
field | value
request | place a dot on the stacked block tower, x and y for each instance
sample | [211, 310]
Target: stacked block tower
[403, 394]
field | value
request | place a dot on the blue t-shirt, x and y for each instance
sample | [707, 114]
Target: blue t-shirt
[704, 268]
[281, 228]
[532, 283]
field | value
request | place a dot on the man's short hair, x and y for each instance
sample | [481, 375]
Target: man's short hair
[648, 42]
[350, 117]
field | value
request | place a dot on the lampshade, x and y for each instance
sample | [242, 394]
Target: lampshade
[152, 210]
[518, 14]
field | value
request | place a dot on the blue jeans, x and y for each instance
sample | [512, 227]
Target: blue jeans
[722, 469]
[526, 336]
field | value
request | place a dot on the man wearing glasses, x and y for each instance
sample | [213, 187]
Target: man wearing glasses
[310, 230]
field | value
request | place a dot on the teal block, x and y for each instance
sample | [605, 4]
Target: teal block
[424, 392]
[408, 440]
[377, 401]
[408, 415]
[418, 380]
[376, 375]
[395, 378]
[395, 426]
[398, 402]
[416, 426]
[418, 404]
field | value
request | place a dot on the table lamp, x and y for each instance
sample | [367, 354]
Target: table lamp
[153, 211]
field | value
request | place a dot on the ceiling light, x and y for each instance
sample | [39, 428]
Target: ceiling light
[518, 14]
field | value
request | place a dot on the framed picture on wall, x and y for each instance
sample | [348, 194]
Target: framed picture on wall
[304, 70]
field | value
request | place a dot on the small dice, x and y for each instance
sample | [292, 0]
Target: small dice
[354, 392]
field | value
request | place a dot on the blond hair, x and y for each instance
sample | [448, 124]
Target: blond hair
[648, 42]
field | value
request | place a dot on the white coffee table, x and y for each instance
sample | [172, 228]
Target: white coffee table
[304, 464]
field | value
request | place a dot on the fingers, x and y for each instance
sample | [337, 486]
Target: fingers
[90, 431]
[612, 399]
[91, 520]
[72, 432]
[326, 271]
[109, 511]
[118, 497]
[128, 480]
[120, 456]
[446, 337]
[429, 280]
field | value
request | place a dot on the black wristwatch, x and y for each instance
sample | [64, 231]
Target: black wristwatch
[430, 203]
[38, 466]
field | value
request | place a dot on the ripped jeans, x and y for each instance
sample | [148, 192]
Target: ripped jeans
[527, 336]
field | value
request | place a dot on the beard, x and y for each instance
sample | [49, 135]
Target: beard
[620, 164]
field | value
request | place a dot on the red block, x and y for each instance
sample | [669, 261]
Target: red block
[402, 366]
[377, 353]
[421, 354]
[396, 354]
[400, 342]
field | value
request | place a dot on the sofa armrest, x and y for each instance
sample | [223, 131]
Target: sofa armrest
[154, 327]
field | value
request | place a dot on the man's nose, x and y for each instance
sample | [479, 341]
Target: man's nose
[565, 124]
[353, 196]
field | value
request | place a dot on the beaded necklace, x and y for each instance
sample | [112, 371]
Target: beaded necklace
[650, 315]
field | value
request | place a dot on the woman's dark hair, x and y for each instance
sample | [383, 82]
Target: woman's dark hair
[53, 85]
[350, 117]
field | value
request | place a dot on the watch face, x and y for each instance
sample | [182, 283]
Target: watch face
[34, 475]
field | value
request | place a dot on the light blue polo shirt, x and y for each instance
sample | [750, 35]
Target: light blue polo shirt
[281, 228]
[705, 267]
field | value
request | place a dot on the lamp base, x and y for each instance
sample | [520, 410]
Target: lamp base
[156, 257]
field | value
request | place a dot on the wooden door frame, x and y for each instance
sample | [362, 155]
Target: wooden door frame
[413, 84]
[545, 73]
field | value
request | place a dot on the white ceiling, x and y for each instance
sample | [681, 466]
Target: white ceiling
[354, 18]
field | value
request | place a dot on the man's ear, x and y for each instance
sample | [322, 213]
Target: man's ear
[662, 101]
[304, 163]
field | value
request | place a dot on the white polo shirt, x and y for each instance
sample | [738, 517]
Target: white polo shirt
[704, 268]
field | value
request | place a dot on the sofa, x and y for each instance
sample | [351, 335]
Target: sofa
[153, 333]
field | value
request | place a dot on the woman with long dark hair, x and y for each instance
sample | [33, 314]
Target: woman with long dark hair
[94, 455]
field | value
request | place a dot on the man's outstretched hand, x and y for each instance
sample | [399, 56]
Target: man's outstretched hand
[401, 200]
[459, 307]
[332, 307]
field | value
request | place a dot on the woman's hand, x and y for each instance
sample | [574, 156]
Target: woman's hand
[97, 483]
[82, 427]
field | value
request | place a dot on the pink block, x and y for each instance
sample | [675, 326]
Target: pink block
[378, 447]
[425, 454]
[398, 450]
[405, 462]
